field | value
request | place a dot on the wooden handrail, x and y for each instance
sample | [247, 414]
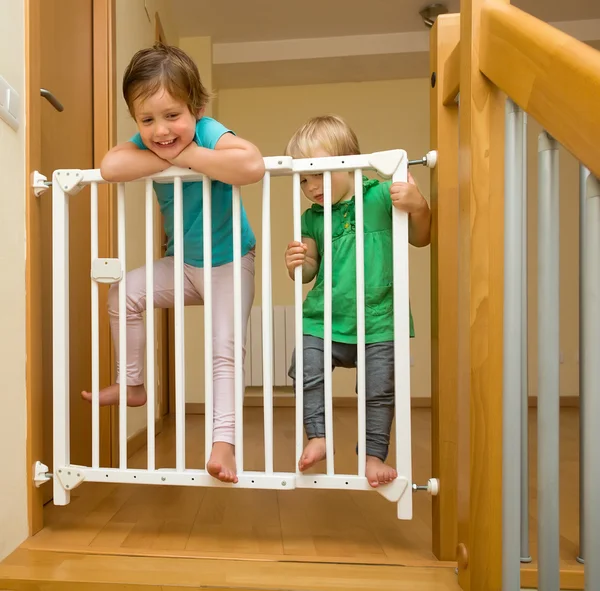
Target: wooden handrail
[452, 76]
[550, 75]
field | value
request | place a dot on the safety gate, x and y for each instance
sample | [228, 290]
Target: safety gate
[67, 183]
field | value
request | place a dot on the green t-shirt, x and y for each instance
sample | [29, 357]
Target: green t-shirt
[379, 268]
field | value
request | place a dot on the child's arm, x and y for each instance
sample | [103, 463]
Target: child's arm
[126, 162]
[234, 160]
[407, 197]
[303, 253]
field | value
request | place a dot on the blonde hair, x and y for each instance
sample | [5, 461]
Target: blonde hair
[328, 132]
[164, 67]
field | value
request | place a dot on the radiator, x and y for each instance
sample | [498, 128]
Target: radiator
[283, 346]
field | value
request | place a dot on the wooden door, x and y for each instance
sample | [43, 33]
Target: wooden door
[67, 142]
[60, 59]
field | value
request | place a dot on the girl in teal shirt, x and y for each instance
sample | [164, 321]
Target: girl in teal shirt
[165, 96]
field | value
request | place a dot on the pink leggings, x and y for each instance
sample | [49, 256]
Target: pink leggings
[222, 318]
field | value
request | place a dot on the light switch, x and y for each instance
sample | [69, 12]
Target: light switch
[10, 104]
[14, 103]
[4, 88]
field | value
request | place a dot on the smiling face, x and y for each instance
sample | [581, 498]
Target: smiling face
[342, 187]
[166, 124]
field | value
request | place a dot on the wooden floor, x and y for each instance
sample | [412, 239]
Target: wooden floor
[327, 526]
[338, 529]
[33, 570]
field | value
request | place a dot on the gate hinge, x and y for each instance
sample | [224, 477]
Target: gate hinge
[433, 487]
[41, 474]
[39, 183]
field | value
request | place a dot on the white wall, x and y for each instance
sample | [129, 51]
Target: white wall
[385, 115]
[13, 473]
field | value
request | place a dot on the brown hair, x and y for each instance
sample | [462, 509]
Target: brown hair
[329, 132]
[168, 67]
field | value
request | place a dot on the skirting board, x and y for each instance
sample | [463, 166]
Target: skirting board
[197, 408]
[140, 439]
[565, 401]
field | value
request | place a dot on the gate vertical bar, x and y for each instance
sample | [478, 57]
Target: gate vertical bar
[60, 338]
[548, 364]
[583, 255]
[267, 324]
[95, 331]
[238, 344]
[179, 329]
[525, 554]
[402, 348]
[150, 347]
[511, 383]
[299, 351]
[360, 323]
[327, 325]
[122, 244]
[591, 352]
[208, 325]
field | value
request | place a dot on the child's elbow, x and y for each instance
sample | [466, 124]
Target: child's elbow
[107, 169]
[256, 169]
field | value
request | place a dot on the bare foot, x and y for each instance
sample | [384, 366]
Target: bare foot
[379, 473]
[136, 395]
[221, 464]
[315, 451]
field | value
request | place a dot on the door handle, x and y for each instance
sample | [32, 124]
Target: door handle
[52, 99]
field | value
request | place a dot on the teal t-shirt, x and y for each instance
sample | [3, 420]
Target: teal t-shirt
[208, 133]
[379, 268]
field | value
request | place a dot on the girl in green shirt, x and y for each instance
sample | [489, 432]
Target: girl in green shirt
[330, 136]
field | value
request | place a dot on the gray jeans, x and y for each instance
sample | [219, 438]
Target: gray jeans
[379, 379]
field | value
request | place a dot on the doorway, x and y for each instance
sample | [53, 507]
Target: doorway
[69, 54]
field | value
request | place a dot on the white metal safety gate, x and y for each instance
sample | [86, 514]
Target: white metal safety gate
[66, 476]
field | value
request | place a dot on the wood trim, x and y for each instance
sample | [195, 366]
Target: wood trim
[105, 132]
[71, 571]
[550, 75]
[451, 74]
[565, 402]
[481, 291]
[420, 402]
[444, 286]
[159, 32]
[103, 91]
[33, 273]
[569, 579]
[197, 408]
[170, 343]
[164, 318]
[140, 439]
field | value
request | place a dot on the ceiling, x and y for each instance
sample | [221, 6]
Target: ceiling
[288, 42]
